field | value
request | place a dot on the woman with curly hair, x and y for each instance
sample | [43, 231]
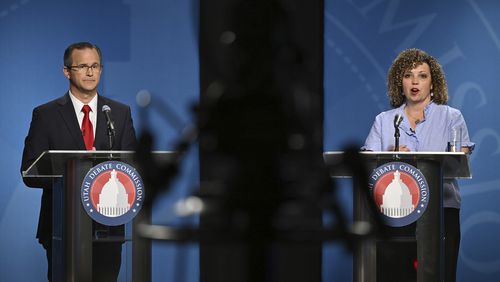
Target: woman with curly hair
[417, 92]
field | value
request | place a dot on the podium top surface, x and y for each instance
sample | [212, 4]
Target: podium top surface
[52, 163]
[454, 164]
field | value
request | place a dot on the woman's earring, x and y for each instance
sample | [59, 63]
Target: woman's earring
[432, 94]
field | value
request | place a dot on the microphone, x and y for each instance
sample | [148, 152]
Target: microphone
[397, 121]
[111, 125]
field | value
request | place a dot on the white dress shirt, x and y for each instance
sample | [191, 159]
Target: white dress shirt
[78, 105]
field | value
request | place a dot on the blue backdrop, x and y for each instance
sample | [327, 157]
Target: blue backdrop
[362, 37]
[147, 45]
[152, 45]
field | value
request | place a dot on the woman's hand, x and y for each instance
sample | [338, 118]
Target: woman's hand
[402, 148]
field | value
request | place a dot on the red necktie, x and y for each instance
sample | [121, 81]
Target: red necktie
[87, 130]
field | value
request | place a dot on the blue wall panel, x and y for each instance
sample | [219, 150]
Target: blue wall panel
[147, 45]
[362, 37]
[152, 45]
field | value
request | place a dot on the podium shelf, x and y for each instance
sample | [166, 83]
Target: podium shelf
[51, 163]
[455, 165]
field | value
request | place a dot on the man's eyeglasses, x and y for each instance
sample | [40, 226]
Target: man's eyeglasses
[85, 68]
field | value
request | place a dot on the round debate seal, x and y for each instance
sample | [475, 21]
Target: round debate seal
[112, 193]
[400, 192]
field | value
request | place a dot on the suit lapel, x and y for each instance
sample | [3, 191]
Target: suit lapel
[67, 112]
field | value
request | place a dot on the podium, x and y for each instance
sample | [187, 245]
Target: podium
[72, 234]
[436, 167]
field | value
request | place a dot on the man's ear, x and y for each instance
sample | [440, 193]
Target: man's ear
[66, 72]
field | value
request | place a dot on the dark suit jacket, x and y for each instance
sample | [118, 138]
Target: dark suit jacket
[54, 126]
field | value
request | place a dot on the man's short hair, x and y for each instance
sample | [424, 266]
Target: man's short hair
[68, 61]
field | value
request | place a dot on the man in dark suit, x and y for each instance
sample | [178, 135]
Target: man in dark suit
[75, 122]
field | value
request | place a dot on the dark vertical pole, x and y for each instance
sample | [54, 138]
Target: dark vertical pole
[429, 233]
[72, 239]
[141, 248]
[365, 252]
[58, 245]
[261, 74]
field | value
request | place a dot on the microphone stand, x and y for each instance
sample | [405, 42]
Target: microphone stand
[111, 139]
[396, 137]
[397, 121]
[111, 127]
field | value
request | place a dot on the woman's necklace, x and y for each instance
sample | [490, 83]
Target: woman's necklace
[415, 120]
